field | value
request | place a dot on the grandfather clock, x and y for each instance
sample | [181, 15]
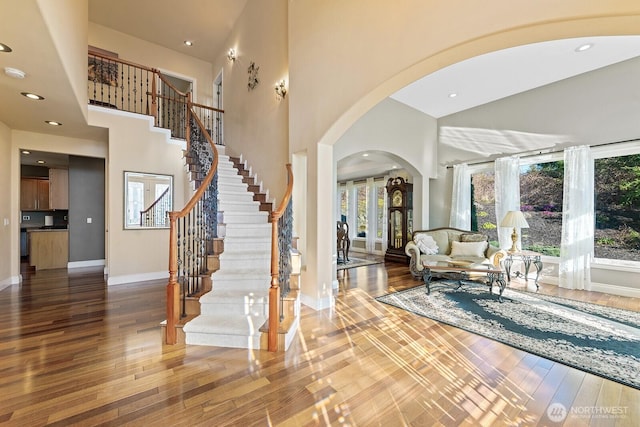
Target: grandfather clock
[400, 210]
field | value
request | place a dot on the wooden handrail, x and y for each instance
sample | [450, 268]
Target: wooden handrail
[155, 202]
[193, 104]
[123, 61]
[277, 214]
[168, 83]
[274, 290]
[173, 287]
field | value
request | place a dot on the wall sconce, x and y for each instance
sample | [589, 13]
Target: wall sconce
[281, 90]
[231, 55]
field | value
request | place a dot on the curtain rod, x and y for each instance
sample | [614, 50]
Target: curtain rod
[539, 153]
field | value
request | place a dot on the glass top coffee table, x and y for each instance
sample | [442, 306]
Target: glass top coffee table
[485, 274]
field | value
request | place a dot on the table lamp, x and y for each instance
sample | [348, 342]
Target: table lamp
[516, 220]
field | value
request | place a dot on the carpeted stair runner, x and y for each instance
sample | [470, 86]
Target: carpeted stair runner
[233, 312]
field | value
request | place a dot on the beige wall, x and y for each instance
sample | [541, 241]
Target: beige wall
[345, 57]
[7, 224]
[152, 55]
[135, 145]
[255, 122]
[67, 24]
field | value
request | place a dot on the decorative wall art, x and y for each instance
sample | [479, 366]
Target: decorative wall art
[253, 76]
[102, 70]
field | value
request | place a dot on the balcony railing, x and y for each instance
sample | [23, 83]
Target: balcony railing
[127, 86]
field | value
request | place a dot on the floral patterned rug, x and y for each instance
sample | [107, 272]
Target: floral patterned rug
[601, 340]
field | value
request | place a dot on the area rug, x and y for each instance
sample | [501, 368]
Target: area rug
[601, 340]
[357, 262]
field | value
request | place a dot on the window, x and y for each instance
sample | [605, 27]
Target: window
[617, 203]
[483, 205]
[617, 207]
[361, 213]
[541, 187]
[363, 208]
[343, 202]
[135, 203]
[380, 211]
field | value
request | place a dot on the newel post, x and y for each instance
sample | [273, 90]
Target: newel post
[274, 290]
[173, 288]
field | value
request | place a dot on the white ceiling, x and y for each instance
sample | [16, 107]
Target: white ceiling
[490, 77]
[207, 23]
[507, 72]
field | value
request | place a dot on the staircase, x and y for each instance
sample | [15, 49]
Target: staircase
[232, 314]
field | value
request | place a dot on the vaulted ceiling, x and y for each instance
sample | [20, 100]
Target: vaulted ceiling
[208, 24]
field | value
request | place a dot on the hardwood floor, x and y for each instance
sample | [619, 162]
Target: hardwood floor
[76, 352]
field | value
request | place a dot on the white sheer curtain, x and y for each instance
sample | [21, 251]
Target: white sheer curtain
[461, 198]
[507, 190]
[576, 249]
[352, 208]
[372, 220]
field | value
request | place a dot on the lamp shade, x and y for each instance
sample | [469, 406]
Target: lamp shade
[514, 219]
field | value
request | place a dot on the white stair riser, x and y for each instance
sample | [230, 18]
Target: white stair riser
[243, 246]
[232, 309]
[247, 286]
[230, 341]
[239, 264]
[232, 184]
[250, 218]
[236, 230]
[243, 206]
[235, 197]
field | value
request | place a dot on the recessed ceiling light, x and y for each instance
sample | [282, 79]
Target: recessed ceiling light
[26, 152]
[584, 47]
[41, 162]
[5, 48]
[32, 96]
[52, 123]
[453, 95]
[14, 72]
[365, 155]
[188, 43]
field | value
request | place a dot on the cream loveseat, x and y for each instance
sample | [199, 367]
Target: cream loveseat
[450, 244]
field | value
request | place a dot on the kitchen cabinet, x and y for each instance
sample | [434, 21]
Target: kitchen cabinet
[34, 194]
[58, 189]
[48, 249]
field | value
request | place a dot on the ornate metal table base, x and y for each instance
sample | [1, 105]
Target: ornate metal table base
[527, 259]
[491, 278]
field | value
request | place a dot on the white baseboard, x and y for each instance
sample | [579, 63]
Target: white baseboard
[142, 277]
[317, 304]
[12, 280]
[624, 291]
[81, 264]
[606, 288]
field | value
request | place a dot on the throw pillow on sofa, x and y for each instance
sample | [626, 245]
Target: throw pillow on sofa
[426, 244]
[473, 249]
[473, 237]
